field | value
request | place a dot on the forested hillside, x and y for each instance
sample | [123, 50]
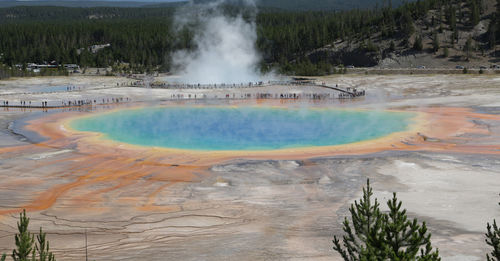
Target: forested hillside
[327, 5]
[143, 39]
[323, 5]
[295, 5]
[428, 33]
[75, 3]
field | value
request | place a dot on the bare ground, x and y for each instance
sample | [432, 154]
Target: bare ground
[262, 209]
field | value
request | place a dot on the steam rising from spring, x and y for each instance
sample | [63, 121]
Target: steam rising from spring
[225, 50]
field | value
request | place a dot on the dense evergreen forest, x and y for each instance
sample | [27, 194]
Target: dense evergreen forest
[297, 5]
[143, 39]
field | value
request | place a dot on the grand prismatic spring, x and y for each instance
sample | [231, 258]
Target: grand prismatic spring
[242, 128]
[153, 176]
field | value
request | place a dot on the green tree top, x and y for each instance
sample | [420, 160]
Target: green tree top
[493, 240]
[26, 246]
[24, 240]
[43, 249]
[374, 235]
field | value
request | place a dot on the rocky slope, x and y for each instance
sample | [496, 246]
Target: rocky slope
[399, 51]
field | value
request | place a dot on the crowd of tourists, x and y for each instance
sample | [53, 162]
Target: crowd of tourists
[63, 103]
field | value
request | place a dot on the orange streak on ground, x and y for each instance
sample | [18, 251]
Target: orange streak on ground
[101, 167]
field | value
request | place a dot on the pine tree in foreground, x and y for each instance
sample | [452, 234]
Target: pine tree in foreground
[374, 235]
[24, 240]
[404, 237]
[367, 223]
[42, 249]
[26, 246]
[493, 240]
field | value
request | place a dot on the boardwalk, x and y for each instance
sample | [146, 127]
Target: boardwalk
[73, 96]
[348, 92]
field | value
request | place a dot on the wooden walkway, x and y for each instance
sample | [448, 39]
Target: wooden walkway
[335, 88]
[346, 92]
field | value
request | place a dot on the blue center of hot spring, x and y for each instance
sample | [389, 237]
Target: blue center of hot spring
[242, 128]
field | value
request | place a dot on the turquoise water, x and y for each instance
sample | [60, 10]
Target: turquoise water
[46, 89]
[242, 128]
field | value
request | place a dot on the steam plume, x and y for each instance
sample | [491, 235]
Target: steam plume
[224, 46]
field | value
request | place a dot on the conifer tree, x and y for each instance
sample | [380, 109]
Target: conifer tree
[492, 35]
[435, 42]
[407, 23]
[474, 13]
[24, 240]
[374, 235]
[451, 17]
[392, 46]
[493, 240]
[26, 247]
[404, 237]
[43, 249]
[418, 45]
[468, 48]
[366, 241]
